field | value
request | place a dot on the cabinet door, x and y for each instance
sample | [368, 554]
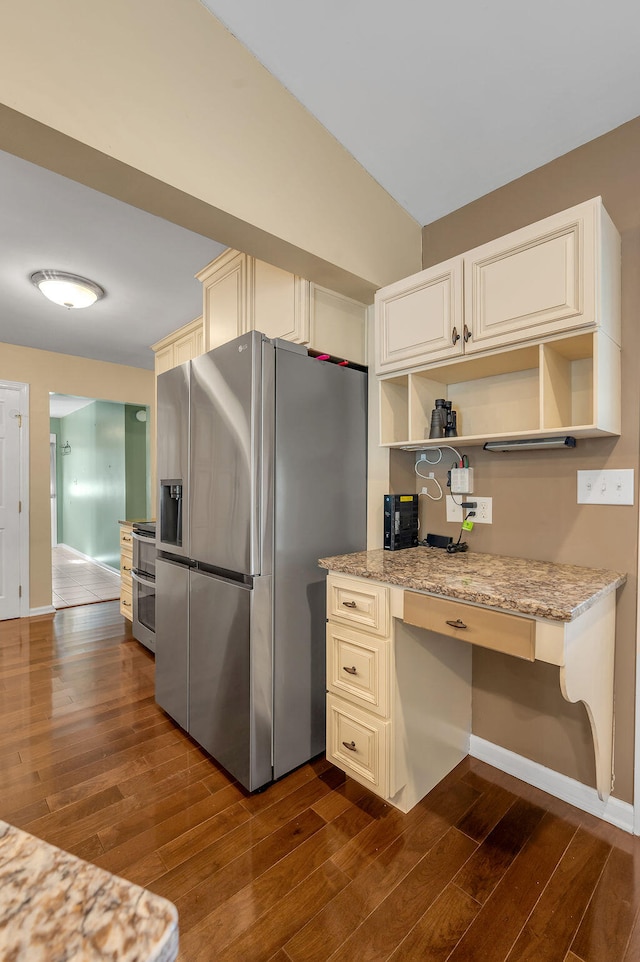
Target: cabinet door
[224, 299]
[419, 319]
[165, 359]
[188, 346]
[278, 303]
[537, 281]
[338, 324]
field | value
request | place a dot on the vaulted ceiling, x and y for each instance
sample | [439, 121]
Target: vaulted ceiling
[440, 104]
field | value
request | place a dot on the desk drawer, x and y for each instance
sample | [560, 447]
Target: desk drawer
[358, 743]
[358, 667]
[479, 626]
[358, 603]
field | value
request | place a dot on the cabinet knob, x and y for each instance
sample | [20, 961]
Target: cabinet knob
[455, 337]
[350, 745]
[467, 334]
[457, 623]
[349, 604]
[350, 671]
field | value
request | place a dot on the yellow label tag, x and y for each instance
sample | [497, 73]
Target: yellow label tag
[406, 497]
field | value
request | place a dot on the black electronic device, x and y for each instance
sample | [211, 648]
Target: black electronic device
[400, 521]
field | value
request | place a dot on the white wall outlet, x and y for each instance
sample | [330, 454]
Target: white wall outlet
[606, 487]
[483, 511]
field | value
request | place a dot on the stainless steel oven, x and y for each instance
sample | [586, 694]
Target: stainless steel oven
[143, 575]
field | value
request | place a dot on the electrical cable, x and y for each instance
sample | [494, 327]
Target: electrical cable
[439, 450]
[426, 493]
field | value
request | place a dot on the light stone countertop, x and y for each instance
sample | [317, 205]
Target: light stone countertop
[55, 907]
[560, 592]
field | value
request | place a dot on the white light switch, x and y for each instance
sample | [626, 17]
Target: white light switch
[606, 487]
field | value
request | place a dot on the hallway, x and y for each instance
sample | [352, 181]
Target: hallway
[78, 581]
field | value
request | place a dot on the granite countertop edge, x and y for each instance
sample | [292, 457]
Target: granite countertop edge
[548, 590]
[55, 903]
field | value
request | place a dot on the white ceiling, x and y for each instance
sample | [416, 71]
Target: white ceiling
[445, 102]
[145, 264]
[440, 103]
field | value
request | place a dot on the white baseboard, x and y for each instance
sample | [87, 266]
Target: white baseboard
[568, 789]
[44, 610]
[87, 557]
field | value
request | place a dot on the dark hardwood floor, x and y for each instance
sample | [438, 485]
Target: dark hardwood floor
[315, 867]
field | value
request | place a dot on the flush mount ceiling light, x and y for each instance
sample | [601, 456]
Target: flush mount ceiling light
[68, 290]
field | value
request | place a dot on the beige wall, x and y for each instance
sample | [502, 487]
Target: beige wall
[534, 509]
[44, 372]
[159, 105]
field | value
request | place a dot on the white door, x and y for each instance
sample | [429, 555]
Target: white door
[9, 503]
[53, 489]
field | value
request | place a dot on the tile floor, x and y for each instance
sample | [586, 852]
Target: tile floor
[78, 581]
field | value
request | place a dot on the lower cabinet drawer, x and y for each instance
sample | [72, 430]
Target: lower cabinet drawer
[358, 668]
[126, 603]
[358, 743]
[478, 626]
[126, 564]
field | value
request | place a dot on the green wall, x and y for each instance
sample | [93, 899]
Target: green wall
[103, 479]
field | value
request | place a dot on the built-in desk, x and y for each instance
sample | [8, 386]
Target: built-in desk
[401, 626]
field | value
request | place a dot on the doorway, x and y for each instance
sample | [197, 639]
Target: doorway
[100, 467]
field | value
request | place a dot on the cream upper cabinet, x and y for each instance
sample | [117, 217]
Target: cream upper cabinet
[278, 303]
[337, 324]
[242, 293]
[224, 292]
[555, 276]
[419, 318]
[180, 346]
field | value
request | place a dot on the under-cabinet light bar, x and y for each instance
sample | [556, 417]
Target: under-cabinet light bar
[530, 444]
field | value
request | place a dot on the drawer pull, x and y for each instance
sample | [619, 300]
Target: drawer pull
[124, 538]
[124, 568]
[457, 623]
[350, 745]
[350, 671]
[127, 604]
[455, 337]
[349, 604]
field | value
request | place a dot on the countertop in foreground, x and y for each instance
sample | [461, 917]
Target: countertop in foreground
[544, 589]
[55, 906]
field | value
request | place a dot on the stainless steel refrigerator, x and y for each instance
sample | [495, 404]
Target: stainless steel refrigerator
[262, 468]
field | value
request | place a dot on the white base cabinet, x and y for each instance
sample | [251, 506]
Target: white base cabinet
[399, 679]
[399, 699]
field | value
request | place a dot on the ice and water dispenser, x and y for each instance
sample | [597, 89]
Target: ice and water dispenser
[171, 512]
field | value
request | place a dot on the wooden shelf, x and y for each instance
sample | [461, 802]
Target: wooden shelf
[568, 385]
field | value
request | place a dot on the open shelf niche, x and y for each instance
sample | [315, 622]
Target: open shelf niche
[570, 385]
